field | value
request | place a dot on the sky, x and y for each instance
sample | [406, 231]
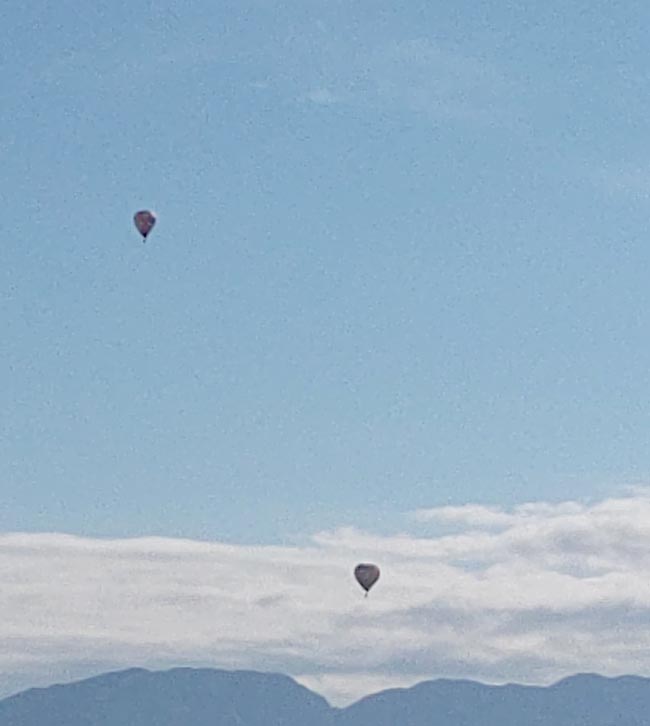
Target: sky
[400, 266]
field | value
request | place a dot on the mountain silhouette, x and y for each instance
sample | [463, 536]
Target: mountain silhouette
[208, 697]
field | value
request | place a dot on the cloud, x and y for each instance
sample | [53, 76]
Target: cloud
[475, 515]
[415, 76]
[373, 72]
[322, 97]
[438, 81]
[631, 180]
[529, 593]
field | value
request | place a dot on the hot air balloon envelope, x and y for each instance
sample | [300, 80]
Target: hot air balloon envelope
[366, 575]
[144, 221]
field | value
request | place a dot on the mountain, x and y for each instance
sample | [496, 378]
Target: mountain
[179, 697]
[584, 700]
[206, 697]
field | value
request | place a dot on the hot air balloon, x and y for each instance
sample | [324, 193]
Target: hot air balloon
[144, 222]
[366, 575]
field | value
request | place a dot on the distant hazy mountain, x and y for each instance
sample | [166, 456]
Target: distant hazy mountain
[204, 697]
[584, 700]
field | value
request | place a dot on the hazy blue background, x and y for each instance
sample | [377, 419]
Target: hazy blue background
[401, 261]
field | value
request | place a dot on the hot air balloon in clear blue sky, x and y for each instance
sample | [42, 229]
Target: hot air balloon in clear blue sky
[366, 575]
[144, 221]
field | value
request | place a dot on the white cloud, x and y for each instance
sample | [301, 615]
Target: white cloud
[322, 97]
[417, 76]
[526, 594]
[469, 514]
[439, 81]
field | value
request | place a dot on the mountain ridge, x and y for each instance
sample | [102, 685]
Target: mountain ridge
[186, 696]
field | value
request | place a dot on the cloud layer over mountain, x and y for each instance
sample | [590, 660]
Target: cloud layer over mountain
[527, 594]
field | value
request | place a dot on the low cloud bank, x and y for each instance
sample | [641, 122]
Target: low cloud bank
[527, 594]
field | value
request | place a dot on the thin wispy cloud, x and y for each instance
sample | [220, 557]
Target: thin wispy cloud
[527, 594]
[323, 97]
[626, 180]
[425, 77]
[417, 76]
[309, 61]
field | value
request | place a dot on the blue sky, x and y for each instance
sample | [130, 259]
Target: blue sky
[401, 262]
